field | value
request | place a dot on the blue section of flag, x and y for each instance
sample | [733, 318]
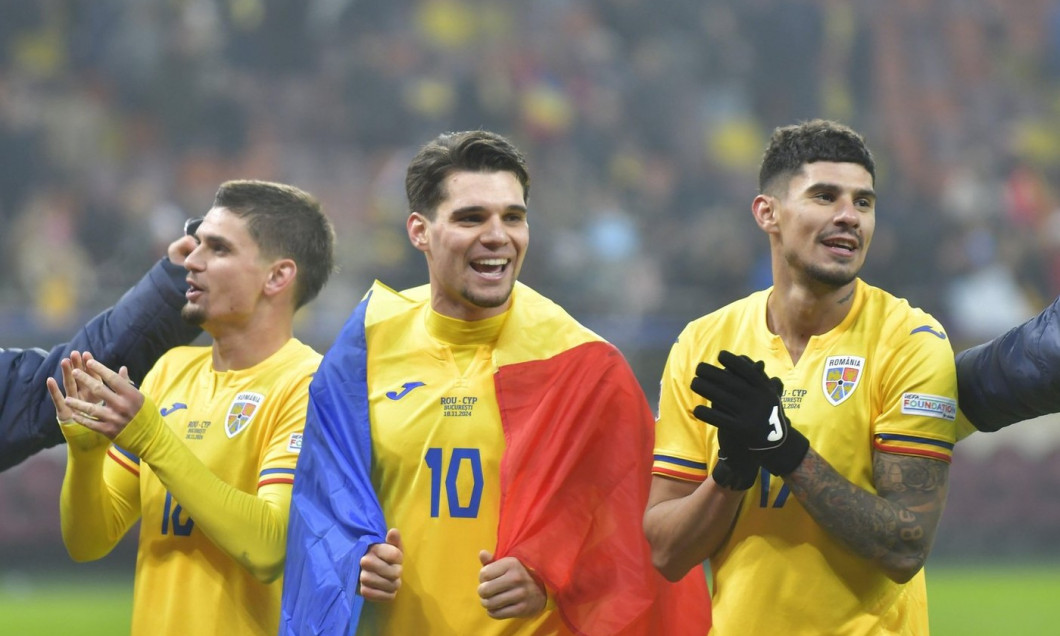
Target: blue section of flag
[335, 513]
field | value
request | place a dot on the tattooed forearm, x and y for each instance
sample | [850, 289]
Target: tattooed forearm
[894, 526]
[866, 523]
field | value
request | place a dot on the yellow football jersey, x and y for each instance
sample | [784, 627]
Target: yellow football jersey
[246, 426]
[437, 445]
[883, 380]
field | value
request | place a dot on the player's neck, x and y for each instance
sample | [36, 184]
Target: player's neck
[796, 313]
[244, 346]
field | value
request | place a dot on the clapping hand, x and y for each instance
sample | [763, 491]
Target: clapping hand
[96, 397]
[745, 406]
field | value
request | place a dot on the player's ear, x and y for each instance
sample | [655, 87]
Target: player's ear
[419, 231]
[764, 209]
[281, 276]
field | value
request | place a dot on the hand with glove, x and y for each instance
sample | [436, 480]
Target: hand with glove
[737, 468]
[745, 404]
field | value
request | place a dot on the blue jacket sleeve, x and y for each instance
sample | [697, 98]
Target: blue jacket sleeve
[335, 514]
[1015, 376]
[135, 332]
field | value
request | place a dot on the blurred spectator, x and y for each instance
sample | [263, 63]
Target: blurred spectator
[642, 117]
[984, 299]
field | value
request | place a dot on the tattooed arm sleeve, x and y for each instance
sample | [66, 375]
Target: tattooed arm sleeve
[895, 527]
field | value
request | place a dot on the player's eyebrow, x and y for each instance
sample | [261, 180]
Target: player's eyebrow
[473, 209]
[216, 240]
[834, 188]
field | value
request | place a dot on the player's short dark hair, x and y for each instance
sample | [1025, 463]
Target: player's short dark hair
[817, 140]
[285, 222]
[471, 151]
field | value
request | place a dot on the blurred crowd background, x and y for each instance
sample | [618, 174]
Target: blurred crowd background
[643, 122]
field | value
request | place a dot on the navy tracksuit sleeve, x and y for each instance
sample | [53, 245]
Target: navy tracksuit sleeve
[1015, 376]
[135, 332]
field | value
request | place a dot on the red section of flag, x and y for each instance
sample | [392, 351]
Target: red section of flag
[575, 479]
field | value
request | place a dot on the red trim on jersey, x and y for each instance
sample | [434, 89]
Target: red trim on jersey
[275, 480]
[123, 462]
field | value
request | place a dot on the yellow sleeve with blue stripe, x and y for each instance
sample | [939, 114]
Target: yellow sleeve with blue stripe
[679, 451]
[252, 528]
[918, 393]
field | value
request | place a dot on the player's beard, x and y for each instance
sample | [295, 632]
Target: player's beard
[488, 300]
[193, 314]
[831, 277]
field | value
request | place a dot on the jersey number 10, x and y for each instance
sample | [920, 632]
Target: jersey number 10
[460, 457]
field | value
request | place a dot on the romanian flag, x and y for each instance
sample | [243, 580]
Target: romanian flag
[574, 480]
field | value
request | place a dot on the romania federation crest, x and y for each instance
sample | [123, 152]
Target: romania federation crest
[841, 376]
[241, 412]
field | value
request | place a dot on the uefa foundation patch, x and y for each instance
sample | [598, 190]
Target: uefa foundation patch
[943, 408]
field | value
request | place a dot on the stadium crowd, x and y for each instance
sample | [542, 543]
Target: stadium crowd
[117, 118]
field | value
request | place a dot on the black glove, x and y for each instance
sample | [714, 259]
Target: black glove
[737, 468]
[746, 402]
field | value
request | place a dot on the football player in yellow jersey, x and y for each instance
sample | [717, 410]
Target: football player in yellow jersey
[804, 433]
[475, 461]
[205, 454]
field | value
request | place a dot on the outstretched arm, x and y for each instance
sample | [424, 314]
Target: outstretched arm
[1015, 376]
[134, 333]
